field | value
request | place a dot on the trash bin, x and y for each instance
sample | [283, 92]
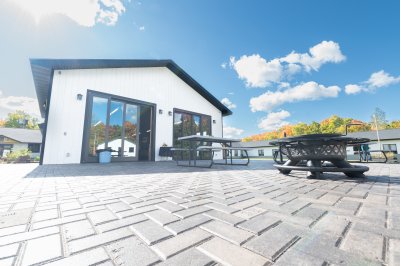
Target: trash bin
[104, 155]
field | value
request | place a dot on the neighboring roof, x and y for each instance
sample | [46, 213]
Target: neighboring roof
[22, 135]
[387, 134]
[42, 70]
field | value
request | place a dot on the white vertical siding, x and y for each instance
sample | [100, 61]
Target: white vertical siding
[156, 85]
[19, 146]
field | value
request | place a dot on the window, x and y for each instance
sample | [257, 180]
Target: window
[236, 153]
[186, 124]
[390, 147]
[5, 149]
[131, 149]
[34, 147]
[260, 152]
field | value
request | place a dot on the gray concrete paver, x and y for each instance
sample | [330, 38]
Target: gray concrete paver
[158, 213]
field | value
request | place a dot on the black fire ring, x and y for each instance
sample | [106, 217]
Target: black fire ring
[321, 152]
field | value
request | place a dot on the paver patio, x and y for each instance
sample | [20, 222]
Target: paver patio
[158, 213]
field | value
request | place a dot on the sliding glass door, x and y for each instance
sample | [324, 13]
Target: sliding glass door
[114, 124]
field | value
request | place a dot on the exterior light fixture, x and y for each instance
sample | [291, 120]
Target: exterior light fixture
[170, 113]
[160, 111]
[79, 97]
[214, 122]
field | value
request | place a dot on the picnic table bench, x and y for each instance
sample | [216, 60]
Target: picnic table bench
[197, 146]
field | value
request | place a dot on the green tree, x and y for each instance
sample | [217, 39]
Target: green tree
[314, 128]
[332, 124]
[20, 119]
[394, 124]
[300, 129]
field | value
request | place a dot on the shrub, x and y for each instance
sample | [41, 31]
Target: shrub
[19, 156]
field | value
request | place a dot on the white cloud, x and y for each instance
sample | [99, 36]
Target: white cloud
[224, 65]
[232, 132]
[228, 103]
[274, 120]
[353, 89]
[256, 71]
[309, 91]
[84, 12]
[259, 72]
[376, 80]
[12, 103]
[322, 53]
[381, 79]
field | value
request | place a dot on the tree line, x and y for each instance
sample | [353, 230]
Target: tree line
[333, 124]
[20, 119]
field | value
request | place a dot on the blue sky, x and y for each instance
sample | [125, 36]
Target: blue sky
[278, 62]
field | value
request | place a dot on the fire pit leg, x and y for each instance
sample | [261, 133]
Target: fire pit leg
[344, 164]
[314, 163]
[288, 163]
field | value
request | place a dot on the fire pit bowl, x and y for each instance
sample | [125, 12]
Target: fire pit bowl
[317, 150]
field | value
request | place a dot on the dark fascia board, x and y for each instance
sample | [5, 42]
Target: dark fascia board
[43, 68]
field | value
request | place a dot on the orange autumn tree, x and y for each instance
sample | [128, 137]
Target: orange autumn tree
[332, 124]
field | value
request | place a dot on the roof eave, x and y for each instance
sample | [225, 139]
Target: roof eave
[42, 70]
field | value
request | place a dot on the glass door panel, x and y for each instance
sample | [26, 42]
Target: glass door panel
[115, 128]
[177, 129]
[97, 131]
[206, 125]
[196, 125]
[123, 126]
[186, 131]
[131, 130]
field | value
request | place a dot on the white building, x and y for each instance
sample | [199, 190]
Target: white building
[15, 139]
[146, 103]
[389, 140]
[115, 146]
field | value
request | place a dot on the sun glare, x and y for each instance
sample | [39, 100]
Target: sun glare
[84, 12]
[37, 9]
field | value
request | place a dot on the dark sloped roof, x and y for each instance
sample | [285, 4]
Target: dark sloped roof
[42, 70]
[22, 135]
[387, 134]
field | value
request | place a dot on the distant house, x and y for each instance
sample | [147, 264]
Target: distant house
[15, 139]
[389, 140]
[143, 104]
[115, 146]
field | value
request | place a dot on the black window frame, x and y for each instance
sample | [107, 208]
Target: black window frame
[89, 101]
[261, 152]
[186, 112]
[181, 111]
